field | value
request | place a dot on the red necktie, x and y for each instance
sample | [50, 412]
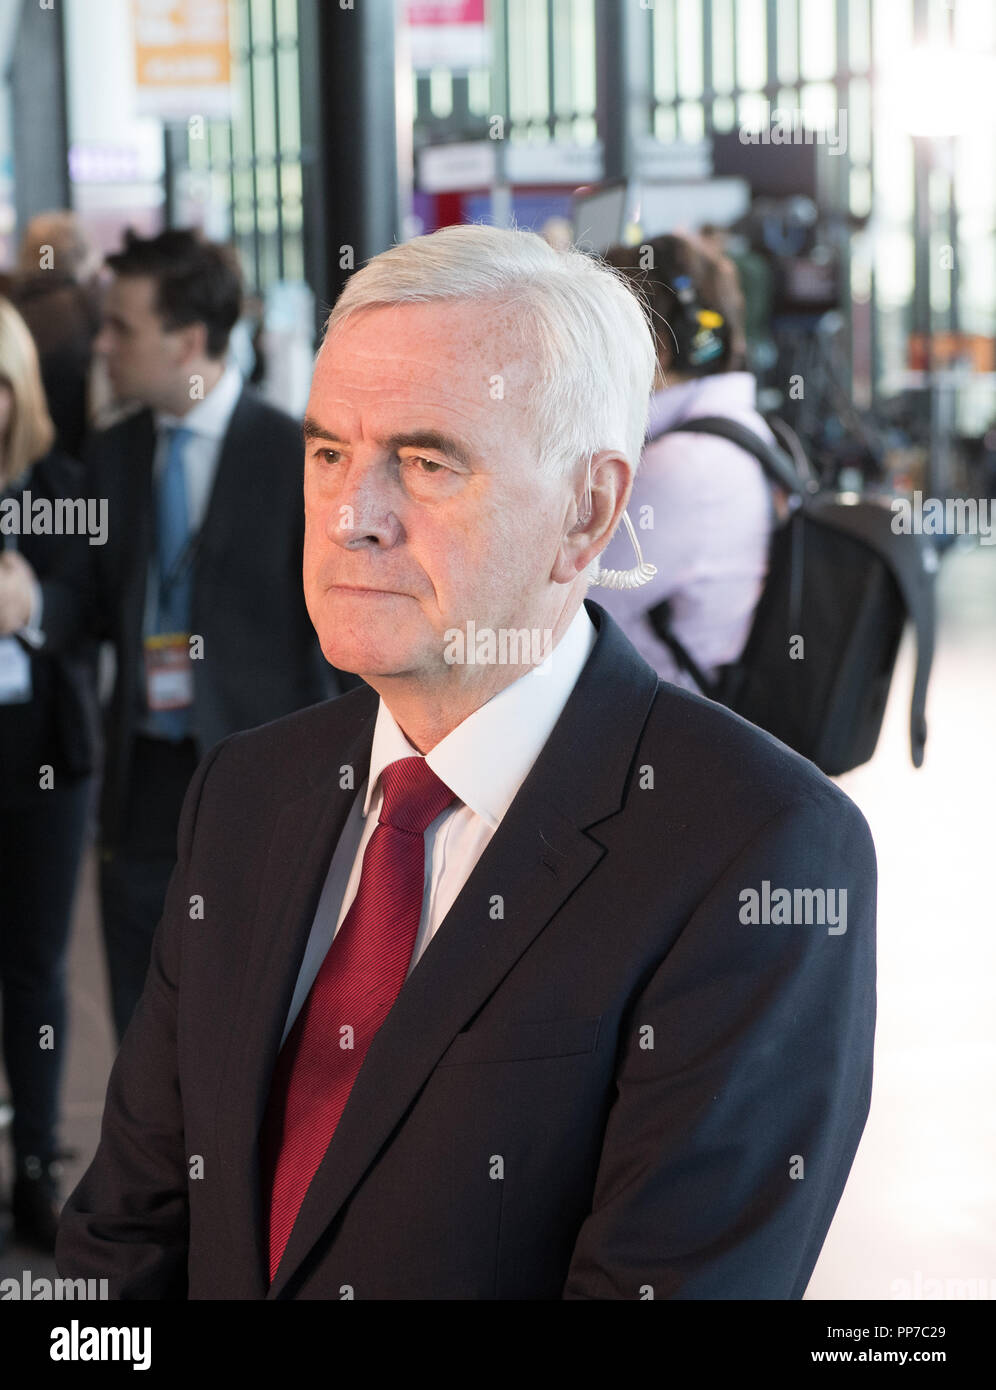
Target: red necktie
[356, 985]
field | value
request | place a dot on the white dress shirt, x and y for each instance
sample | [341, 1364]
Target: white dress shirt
[208, 423]
[484, 761]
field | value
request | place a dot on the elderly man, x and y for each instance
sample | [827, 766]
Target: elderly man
[516, 973]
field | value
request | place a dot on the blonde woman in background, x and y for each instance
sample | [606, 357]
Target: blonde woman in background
[48, 756]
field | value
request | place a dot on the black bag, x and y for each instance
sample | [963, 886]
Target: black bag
[844, 583]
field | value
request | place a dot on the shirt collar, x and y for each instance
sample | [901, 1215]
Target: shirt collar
[707, 395]
[485, 760]
[209, 417]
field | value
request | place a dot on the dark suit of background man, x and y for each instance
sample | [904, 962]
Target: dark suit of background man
[473, 1010]
[205, 528]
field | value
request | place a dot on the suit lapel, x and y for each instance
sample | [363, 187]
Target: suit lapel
[535, 860]
[139, 513]
[229, 495]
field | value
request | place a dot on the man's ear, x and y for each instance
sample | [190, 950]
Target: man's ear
[592, 518]
[191, 343]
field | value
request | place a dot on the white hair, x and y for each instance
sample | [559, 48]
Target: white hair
[594, 347]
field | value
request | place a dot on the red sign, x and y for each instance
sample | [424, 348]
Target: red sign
[445, 11]
[447, 34]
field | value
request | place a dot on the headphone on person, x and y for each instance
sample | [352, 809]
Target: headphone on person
[698, 334]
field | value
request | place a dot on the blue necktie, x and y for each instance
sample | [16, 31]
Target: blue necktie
[175, 589]
[173, 614]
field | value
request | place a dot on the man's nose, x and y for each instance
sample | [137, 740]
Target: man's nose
[363, 512]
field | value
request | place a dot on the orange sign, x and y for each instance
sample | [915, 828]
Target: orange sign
[182, 57]
[950, 349]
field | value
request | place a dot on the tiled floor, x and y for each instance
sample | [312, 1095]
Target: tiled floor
[920, 1207]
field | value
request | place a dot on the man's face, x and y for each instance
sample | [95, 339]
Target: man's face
[142, 357]
[425, 502]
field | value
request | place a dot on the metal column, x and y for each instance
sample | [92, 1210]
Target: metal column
[624, 99]
[349, 139]
[37, 77]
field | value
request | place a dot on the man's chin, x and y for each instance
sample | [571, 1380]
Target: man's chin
[368, 637]
[369, 659]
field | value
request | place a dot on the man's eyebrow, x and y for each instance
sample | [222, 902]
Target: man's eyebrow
[411, 439]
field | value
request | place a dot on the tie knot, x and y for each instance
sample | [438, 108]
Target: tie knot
[413, 795]
[177, 435]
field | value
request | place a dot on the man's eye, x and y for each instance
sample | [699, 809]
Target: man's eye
[324, 454]
[432, 466]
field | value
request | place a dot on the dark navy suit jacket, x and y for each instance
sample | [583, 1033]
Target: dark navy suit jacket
[615, 1090]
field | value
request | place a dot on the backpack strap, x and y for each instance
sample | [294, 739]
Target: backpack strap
[775, 462]
[660, 621]
[778, 467]
[912, 561]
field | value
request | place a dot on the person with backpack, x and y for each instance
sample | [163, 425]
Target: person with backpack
[701, 504]
[782, 600]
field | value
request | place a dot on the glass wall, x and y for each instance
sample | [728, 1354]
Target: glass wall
[719, 65]
[246, 172]
[706, 66]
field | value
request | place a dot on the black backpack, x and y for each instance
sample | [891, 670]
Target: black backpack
[844, 583]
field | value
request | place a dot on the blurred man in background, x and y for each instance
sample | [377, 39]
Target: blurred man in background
[198, 588]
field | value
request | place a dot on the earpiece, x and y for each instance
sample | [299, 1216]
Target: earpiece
[641, 574]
